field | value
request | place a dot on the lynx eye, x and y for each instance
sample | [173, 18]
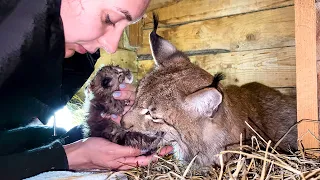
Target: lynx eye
[105, 83]
[144, 111]
[148, 116]
[160, 121]
[155, 120]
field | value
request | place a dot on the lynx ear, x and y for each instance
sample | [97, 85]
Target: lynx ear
[161, 49]
[204, 102]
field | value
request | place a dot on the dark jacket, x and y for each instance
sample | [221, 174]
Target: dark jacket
[35, 81]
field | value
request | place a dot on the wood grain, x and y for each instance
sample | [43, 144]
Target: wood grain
[265, 29]
[123, 58]
[307, 99]
[318, 30]
[179, 12]
[135, 35]
[273, 67]
[155, 4]
[318, 51]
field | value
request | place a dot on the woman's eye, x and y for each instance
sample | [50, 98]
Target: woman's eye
[108, 21]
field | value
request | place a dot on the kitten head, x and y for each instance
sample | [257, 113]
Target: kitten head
[107, 80]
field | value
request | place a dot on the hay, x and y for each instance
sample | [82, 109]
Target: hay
[75, 106]
[259, 160]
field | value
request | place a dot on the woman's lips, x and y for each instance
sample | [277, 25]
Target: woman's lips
[80, 49]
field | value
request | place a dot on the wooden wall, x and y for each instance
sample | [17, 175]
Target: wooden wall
[306, 65]
[317, 4]
[249, 40]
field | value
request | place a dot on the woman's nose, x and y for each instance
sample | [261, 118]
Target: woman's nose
[110, 40]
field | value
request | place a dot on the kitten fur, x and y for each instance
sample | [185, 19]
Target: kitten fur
[100, 104]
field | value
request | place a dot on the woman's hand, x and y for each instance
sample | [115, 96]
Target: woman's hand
[98, 153]
[127, 92]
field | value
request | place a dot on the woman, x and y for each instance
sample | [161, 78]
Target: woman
[39, 74]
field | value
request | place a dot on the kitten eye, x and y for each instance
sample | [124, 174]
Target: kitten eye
[108, 21]
[105, 82]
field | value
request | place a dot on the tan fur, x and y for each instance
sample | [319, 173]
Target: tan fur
[176, 99]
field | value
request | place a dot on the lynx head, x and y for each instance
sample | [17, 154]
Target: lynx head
[177, 98]
[107, 80]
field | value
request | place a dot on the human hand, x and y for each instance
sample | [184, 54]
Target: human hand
[127, 92]
[98, 153]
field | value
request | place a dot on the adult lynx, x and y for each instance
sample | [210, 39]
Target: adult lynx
[190, 106]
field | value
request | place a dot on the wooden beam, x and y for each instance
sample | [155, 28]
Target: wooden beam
[318, 51]
[318, 30]
[123, 58]
[178, 12]
[155, 4]
[259, 30]
[135, 34]
[273, 67]
[306, 72]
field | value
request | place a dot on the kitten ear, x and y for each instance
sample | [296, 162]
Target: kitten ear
[204, 102]
[161, 49]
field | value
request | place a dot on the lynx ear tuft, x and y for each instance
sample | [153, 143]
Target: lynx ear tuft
[216, 80]
[155, 22]
[161, 49]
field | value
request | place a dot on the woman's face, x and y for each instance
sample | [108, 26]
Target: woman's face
[93, 24]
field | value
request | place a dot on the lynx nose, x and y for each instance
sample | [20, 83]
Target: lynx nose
[125, 123]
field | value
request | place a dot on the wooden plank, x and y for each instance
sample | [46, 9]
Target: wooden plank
[123, 58]
[155, 4]
[318, 51]
[273, 67]
[318, 85]
[265, 29]
[307, 99]
[191, 10]
[135, 34]
[144, 67]
[318, 30]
